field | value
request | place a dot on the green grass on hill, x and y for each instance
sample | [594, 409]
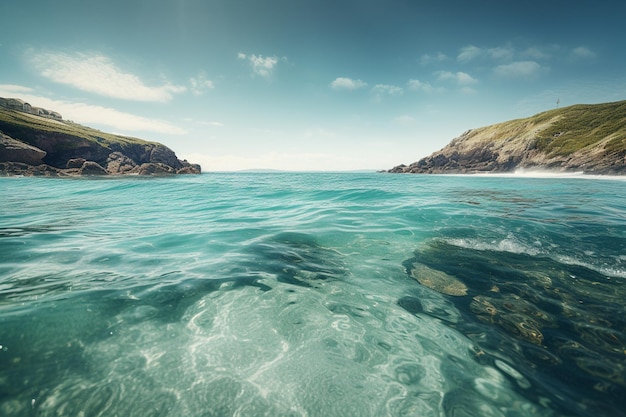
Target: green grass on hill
[583, 125]
[29, 121]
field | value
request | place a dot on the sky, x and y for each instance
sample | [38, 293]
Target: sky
[308, 84]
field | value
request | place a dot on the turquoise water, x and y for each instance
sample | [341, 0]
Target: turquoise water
[313, 295]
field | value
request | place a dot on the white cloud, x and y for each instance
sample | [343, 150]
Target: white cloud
[89, 114]
[342, 83]
[508, 53]
[391, 90]
[213, 124]
[203, 122]
[469, 53]
[463, 78]
[582, 53]
[14, 89]
[263, 66]
[96, 73]
[501, 53]
[427, 59]
[519, 69]
[460, 78]
[200, 84]
[10, 90]
[536, 53]
[417, 85]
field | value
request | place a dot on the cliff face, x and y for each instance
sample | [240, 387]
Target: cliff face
[581, 138]
[32, 145]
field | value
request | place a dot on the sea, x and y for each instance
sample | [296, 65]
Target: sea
[313, 294]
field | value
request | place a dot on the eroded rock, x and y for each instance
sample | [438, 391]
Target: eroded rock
[12, 150]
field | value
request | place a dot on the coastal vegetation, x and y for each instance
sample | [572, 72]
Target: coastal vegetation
[587, 137]
[580, 126]
[35, 145]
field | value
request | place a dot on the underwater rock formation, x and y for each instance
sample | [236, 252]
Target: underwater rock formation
[566, 324]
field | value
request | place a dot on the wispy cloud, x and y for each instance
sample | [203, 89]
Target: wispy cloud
[519, 69]
[98, 74]
[391, 90]
[90, 114]
[87, 114]
[261, 65]
[417, 85]
[463, 80]
[469, 53]
[428, 59]
[203, 122]
[200, 84]
[460, 78]
[536, 53]
[508, 62]
[499, 53]
[343, 83]
[9, 89]
[382, 90]
[582, 53]
[212, 124]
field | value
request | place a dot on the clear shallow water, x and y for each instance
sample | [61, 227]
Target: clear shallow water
[313, 295]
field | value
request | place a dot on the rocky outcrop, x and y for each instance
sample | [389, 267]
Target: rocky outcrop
[118, 163]
[19, 168]
[584, 138]
[12, 150]
[91, 168]
[157, 168]
[75, 163]
[30, 145]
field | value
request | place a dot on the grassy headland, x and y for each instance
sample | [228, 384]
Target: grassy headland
[585, 137]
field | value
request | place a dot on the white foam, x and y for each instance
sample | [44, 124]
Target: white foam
[538, 173]
[512, 245]
[508, 244]
[542, 173]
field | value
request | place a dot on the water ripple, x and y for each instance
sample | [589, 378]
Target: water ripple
[312, 294]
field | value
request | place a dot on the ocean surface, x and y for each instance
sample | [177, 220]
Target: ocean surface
[313, 294]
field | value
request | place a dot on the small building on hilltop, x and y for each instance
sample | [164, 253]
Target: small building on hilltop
[15, 104]
[21, 105]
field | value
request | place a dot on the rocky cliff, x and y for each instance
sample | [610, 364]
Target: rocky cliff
[33, 145]
[580, 138]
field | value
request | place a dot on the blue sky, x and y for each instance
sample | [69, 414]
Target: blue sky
[308, 85]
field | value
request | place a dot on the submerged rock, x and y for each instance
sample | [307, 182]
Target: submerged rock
[546, 317]
[438, 280]
[294, 258]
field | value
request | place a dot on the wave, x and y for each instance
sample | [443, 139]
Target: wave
[546, 173]
[542, 173]
[512, 245]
